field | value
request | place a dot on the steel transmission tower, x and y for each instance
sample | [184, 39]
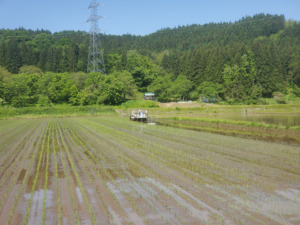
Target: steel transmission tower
[95, 60]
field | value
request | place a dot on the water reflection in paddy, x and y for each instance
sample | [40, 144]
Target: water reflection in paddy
[275, 119]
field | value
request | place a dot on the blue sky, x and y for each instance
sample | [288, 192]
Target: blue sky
[137, 17]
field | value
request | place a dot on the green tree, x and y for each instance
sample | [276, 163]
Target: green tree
[44, 82]
[161, 87]
[209, 90]
[2, 54]
[59, 88]
[143, 72]
[13, 58]
[74, 100]
[30, 70]
[72, 53]
[43, 100]
[294, 69]
[52, 59]
[181, 87]
[116, 88]
[4, 74]
[16, 90]
[91, 91]
[79, 78]
[230, 76]
[127, 82]
[32, 84]
[112, 91]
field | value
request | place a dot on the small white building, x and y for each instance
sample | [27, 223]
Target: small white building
[150, 96]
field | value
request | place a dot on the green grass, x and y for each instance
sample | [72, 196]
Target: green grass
[68, 110]
[139, 104]
[55, 111]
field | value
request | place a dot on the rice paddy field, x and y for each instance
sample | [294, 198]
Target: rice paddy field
[108, 170]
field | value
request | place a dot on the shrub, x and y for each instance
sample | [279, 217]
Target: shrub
[279, 97]
[43, 100]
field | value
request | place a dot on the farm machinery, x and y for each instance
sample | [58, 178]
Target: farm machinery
[139, 115]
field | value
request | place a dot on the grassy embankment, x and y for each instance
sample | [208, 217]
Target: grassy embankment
[71, 111]
[208, 118]
[55, 111]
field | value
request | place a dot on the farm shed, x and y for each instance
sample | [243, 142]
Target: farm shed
[149, 96]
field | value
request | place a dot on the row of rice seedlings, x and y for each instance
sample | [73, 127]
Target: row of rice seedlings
[242, 192]
[10, 131]
[181, 160]
[5, 125]
[37, 173]
[139, 146]
[174, 174]
[128, 138]
[223, 172]
[38, 142]
[46, 175]
[82, 158]
[27, 153]
[161, 154]
[19, 155]
[108, 154]
[12, 145]
[58, 138]
[56, 177]
[77, 177]
[123, 138]
[76, 142]
[127, 176]
[163, 158]
[112, 180]
[149, 151]
[238, 203]
[92, 165]
[187, 198]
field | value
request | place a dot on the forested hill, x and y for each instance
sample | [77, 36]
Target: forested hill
[195, 36]
[255, 56]
[189, 37]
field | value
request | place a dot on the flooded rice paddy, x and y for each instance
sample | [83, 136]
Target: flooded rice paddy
[274, 119]
[108, 170]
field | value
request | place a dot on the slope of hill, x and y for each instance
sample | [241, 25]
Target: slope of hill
[255, 56]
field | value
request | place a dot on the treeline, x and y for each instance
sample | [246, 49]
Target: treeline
[242, 62]
[31, 87]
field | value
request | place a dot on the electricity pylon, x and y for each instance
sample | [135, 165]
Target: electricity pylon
[95, 60]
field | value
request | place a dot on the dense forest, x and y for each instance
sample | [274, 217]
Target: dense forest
[246, 61]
